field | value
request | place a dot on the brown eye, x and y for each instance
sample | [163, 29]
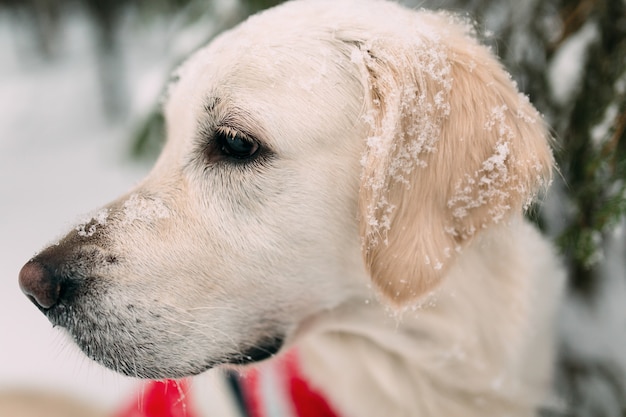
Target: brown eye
[235, 145]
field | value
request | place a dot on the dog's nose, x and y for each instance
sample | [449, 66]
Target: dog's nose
[39, 285]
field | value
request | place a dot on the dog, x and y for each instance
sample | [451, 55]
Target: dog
[345, 179]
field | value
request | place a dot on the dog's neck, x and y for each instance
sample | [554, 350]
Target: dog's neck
[445, 345]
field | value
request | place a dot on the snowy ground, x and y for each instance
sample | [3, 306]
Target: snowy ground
[59, 158]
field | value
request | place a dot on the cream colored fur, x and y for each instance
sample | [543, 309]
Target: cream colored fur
[381, 231]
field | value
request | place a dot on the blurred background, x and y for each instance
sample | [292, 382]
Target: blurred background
[80, 83]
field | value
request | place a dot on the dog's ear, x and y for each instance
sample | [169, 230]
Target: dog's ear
[453, 149]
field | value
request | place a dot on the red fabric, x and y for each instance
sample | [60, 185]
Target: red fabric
[252, 393]
[161, 399]
[172, 398]
[305, 401]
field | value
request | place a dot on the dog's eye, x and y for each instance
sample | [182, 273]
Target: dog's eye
[235, 144]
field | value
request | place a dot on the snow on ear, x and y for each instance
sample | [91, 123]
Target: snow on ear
[453, 149]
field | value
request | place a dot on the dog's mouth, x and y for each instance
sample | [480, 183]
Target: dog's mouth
[133, 352]
[146, 347]
[130, 330]
[266, 349]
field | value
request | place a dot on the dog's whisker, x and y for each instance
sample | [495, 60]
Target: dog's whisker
[216, 308]
[207, 330]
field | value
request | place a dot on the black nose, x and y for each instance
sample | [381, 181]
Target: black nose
[39, 285]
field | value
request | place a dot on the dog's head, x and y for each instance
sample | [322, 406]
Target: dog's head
[315, 148]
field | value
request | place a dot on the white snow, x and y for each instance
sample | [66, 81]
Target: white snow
[596, 332]
[565, 69]
[58, 158]
[406, 127]
[491, 182]
[142, 209]
[600, 132]
[99, 218]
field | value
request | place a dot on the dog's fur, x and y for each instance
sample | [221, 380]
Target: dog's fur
[379, 227]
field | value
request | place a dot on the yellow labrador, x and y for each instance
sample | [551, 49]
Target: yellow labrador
[347, 177]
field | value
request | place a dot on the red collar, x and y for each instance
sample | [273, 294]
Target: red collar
[275, 388]
[278, 389]
[167, 398]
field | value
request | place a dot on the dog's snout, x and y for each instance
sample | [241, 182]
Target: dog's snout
[39, 285]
